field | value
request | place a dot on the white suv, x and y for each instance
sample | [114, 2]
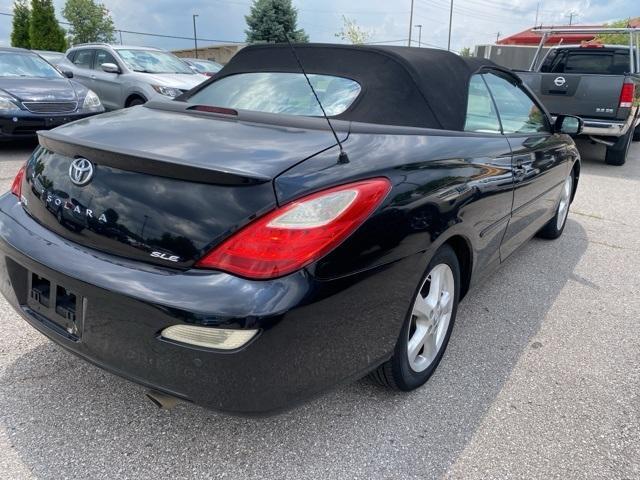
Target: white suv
[125, 76]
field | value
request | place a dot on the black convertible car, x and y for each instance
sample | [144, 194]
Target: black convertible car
[34, 95]
[227, 249]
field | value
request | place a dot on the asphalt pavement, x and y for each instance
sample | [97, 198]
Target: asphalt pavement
[541, 380]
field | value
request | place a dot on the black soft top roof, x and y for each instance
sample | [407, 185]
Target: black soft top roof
[417, 87]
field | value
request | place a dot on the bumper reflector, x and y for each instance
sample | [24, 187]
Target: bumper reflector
[222, 339]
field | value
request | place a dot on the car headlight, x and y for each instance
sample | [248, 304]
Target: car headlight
[91, 101]
[6, 104]
[167, 91]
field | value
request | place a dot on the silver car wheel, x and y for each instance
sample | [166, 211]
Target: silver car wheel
[430, 317]
[565, 200]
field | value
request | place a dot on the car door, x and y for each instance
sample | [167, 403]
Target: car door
[107, 85]
[492, 184]
[540, 159]
[83, 62]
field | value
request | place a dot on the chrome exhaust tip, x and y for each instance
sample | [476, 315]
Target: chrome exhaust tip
[162, 400]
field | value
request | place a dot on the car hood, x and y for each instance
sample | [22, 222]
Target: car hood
[39, 89]
[175, 80]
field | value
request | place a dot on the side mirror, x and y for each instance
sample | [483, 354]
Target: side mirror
[569, 124]
[110, 68]
[67, 73]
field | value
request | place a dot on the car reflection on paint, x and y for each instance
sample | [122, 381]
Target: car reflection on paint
[68, 211]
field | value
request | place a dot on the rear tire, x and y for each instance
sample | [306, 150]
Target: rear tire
[427, 328]
[617, 153]
[554, 228]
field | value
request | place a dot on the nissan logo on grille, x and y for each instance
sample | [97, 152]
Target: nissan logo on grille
[81, 171]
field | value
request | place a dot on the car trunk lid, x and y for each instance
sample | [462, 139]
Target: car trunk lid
[166, 186]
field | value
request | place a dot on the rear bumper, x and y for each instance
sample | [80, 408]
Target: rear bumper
[609, 128]
[25, 124]
[313, 335]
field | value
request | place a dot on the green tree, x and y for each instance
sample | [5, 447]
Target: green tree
[465, 52]
[45, 32]
[90, 22]
[21, 20]
[273, 21]
[615, 38]
[352, 32]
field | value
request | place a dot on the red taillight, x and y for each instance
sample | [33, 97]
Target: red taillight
[299, 233]
[626, 95]
[16, 186]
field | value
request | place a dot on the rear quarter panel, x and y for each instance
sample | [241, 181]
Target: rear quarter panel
[442, 186]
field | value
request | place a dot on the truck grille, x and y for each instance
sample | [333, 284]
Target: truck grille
[51, 107]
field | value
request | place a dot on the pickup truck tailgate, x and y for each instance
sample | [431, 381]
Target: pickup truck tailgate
[584, 95]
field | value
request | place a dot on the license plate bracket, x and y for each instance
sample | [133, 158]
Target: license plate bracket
[57, 306]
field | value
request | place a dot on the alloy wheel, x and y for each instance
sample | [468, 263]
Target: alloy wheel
[430, 317]
[565, 200]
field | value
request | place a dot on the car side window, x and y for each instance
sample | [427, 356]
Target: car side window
[83, 58]
[518, 112]
[481, 113]
[102, 56]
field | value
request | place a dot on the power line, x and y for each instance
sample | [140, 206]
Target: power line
[133, 32]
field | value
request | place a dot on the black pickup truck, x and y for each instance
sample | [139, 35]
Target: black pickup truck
[600, 84]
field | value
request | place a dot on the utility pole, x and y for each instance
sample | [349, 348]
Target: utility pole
[497, 37]
[450, 22]
[535, 24]
[410, 23]
[571, 15]
[195, 34]
[120, 31]
[419, 27]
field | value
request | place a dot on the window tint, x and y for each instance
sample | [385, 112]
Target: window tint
[279, 92]
[518, 113]
[83, 58]
[481, 114]
[102, 56]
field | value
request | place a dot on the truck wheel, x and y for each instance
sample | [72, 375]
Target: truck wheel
[636, 134]
[617, 153]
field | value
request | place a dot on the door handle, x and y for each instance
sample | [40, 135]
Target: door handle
[93, 77]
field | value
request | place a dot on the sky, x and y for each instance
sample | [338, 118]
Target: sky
[474, 21]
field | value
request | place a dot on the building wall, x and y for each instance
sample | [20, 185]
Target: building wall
[218, 53]
[515, 57]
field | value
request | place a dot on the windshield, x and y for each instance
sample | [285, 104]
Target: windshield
[279, 92]
[14, 64]
[206, 65]
[152, 61]
[51, 57]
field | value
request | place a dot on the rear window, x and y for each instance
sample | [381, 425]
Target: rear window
[587, 61]
[280, 92]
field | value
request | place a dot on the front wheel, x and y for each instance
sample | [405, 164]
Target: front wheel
[555, 227]
[426, 331]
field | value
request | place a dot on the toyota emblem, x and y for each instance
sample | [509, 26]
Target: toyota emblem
[559, 81]
[81, 171]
